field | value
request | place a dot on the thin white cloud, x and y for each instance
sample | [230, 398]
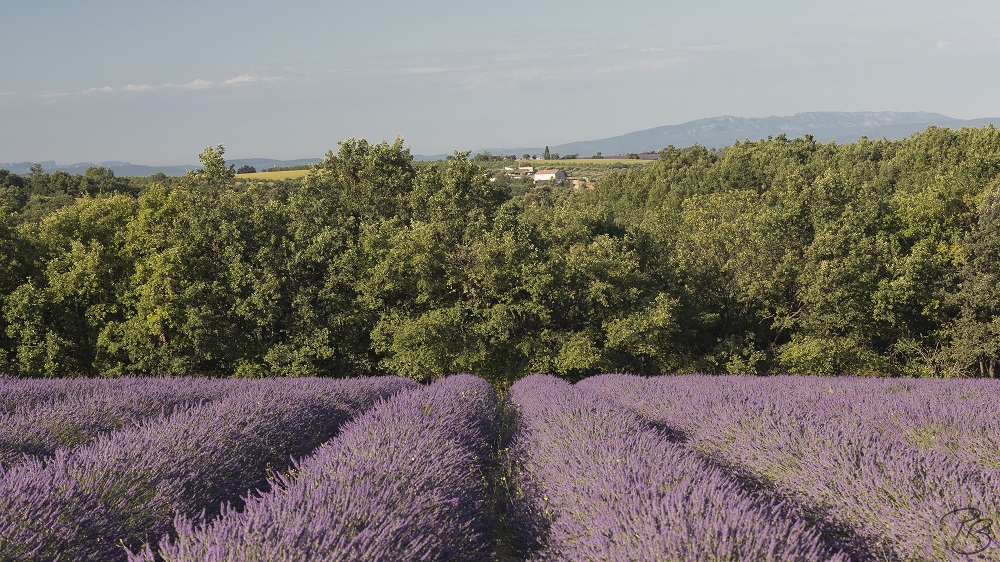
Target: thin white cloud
[51, 98]
[427, 70]
[100, 90]
[514, 70]
[248, 78]
[241, 79]
[194, 85]
[719, 47]
[638, 65]
[519, 57]
[943, 45]
[436, 69]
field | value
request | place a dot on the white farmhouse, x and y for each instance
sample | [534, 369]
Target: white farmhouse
[552, 175]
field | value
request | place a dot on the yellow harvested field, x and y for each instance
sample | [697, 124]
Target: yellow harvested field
[285, 175]
[579, 161]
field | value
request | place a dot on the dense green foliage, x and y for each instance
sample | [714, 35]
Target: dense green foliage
[875, 257]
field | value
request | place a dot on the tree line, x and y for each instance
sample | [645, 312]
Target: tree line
[778, 256]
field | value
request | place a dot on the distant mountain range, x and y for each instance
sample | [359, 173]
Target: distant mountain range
[714, 132]
[129, 169]
[719, 132]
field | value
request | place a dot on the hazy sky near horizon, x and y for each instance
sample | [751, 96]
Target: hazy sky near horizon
[156, 82]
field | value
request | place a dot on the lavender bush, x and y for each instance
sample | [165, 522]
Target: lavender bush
[616, 467]
[593, 481]
[23, 394]
[909, 466]
[81, 418]
[126, 487]
[401, 482]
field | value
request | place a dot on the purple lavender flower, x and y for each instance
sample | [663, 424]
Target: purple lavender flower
[596, 482]
[23, 394]
[125, 488]
[405, 481]
[80, 418]
[887, 460]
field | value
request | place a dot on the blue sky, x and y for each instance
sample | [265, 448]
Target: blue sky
[155, 82]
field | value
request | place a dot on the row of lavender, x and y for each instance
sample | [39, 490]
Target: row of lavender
[124, 488]
[907, 470]
[594, 481]
[586, 480]
[404, 481]
[615, 467]
[22, 394]
[45, 417]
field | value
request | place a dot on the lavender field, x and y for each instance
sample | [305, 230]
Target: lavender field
[614, 467]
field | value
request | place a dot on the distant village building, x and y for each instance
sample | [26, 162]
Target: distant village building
[519, 173]
[553, 175]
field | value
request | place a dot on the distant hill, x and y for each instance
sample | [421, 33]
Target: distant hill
[714, 132]
[128, 169]
[719, 132]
